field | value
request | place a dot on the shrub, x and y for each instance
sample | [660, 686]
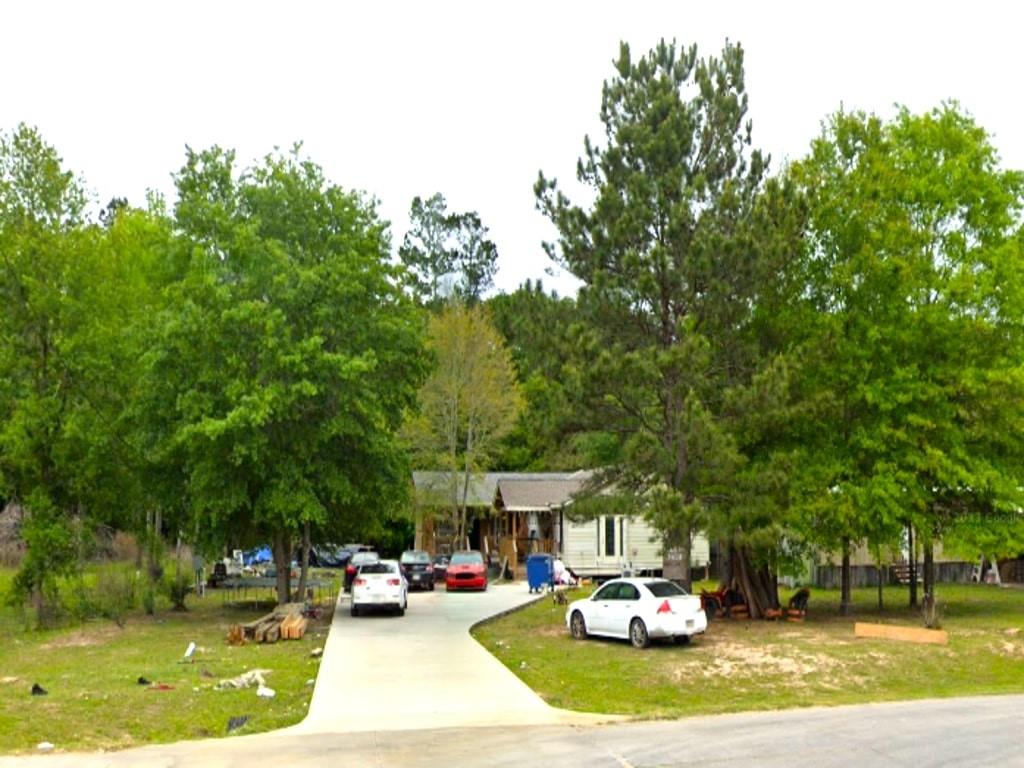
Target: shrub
[115, 593]
[177, 587]
[149, 600]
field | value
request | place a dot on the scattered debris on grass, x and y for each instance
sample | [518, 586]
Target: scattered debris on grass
[190, 653]
[237, 722]
[266, 693]
[143, 681]
[9, 679]
[245, 680]
[160, 687]
[316, 653]
[44, 746]
[38, 690]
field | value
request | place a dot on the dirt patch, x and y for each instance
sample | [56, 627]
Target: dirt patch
[81, 639]
[556, 631]
[731, 659]
[1007, 648]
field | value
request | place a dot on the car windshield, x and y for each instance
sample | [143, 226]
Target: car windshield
[365, 557]
[377, 568]
[415, 557]
[467, 558]
[665, 589]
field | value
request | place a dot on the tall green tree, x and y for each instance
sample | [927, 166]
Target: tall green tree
[672, 266]
[467, 405]
[917, 274]
[538, 327]
[289, 356]
[72, 294]
[447, 253]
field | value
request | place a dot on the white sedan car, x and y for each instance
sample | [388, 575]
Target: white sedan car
[380, 585]
[638, 610]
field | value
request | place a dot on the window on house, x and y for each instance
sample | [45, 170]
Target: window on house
[609, 536]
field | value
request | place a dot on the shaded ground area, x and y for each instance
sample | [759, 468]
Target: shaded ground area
[741, 666]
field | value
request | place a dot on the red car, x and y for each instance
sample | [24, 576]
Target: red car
[466, 570]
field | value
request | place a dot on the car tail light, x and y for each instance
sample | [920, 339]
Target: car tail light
[393, 582]
[350, 569]
[665, 607]
[430, 569]
[359, 582]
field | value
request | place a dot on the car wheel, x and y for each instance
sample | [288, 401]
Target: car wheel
[681, 639]
[578, 626]
[431, 587]
[638, 634]
[355, 611]
[400, 610]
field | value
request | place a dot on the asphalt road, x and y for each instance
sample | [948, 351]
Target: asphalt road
[419, 691]
[984, 731]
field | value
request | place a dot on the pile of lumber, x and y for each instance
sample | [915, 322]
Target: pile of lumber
[286, 622]
[294, 627]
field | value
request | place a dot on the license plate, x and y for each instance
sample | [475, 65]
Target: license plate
[415, 577]
[689, 623]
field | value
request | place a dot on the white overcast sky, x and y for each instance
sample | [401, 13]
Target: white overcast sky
[471, 98]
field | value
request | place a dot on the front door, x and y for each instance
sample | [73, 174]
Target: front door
[609, 543]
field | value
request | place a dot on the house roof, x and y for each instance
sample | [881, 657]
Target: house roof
[519, 494]
[433, 488]
[520, 491]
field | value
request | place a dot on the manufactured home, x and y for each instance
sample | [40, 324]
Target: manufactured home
[615, 544]
[602, 547]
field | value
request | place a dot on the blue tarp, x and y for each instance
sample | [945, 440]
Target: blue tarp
[258, 555]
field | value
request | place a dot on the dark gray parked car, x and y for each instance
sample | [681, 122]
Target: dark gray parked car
[418, 569]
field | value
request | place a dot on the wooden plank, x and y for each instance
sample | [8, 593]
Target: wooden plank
[288, 624]
[906, 634]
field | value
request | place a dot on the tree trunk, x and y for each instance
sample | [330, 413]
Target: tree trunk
[844, 581]
[724, 565]
[759, 586]
[880, 606]
[929, 569]
[304, 573]
[282, 544]
[463, 513]
[912, 565]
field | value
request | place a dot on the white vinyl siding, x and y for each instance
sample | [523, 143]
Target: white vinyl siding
[584, 546]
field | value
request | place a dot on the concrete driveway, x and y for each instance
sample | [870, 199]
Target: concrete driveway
[424, 670]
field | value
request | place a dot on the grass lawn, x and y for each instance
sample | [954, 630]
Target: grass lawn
[754, 665]
[91, 672]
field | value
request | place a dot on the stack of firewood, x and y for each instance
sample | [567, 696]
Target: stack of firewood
[286, 622]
